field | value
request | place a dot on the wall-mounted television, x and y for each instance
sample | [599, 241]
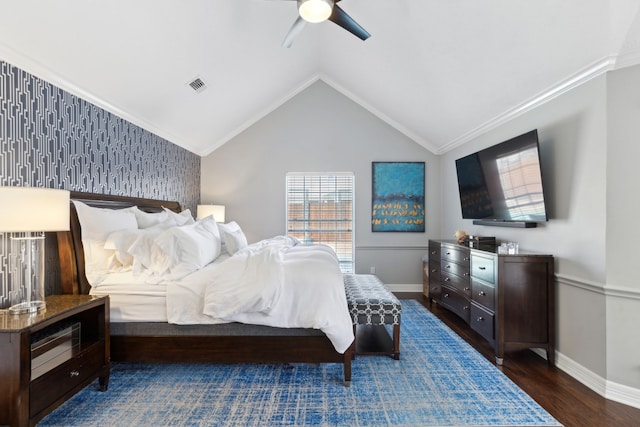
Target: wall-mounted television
[502, 185]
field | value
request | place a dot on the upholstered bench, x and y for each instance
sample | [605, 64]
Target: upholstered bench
[371, 303]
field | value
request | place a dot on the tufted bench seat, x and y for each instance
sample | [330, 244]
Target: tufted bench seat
[371, 303]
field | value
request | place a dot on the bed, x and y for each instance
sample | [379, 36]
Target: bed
[161, 341]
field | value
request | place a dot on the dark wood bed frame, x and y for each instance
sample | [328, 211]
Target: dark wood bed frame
[302, 347]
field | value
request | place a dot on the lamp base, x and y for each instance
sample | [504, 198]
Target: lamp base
[27, 307]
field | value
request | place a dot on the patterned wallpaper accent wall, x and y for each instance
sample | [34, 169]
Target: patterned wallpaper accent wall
[51, 138]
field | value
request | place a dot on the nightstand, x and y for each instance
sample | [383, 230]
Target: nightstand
[49, 356]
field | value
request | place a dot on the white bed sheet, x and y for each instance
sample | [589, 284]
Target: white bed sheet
[132, 298]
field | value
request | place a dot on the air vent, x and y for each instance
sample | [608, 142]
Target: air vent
[198, 85]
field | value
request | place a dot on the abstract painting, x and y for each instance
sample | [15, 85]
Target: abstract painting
[398, 196]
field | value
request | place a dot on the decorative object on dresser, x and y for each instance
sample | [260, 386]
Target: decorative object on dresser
[508, 299]
[26, 214]
[49, 356]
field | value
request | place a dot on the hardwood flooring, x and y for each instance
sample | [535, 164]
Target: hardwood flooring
[569, 401]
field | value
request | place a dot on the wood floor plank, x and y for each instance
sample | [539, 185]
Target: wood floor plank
[569, 401]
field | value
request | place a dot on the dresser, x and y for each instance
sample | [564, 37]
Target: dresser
[508, 299]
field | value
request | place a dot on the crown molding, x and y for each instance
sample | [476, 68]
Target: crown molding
[588, 73]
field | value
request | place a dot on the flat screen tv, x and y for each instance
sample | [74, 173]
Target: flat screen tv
[502, 185]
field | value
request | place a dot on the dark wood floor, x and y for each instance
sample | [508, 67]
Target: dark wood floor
[569, 401]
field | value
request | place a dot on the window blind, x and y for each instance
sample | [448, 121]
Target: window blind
[320, 211]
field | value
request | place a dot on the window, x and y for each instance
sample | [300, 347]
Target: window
[320, 211]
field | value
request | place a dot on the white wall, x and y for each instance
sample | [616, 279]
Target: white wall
[623, 206]
[320, 130]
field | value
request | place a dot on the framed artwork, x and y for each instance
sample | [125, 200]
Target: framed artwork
[397, 202]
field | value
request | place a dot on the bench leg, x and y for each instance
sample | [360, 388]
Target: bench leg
[353, 353]
[396, 342]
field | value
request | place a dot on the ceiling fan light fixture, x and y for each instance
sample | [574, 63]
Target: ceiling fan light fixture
[315, 11]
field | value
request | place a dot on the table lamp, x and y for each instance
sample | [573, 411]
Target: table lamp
[216, 210]
[26, 213]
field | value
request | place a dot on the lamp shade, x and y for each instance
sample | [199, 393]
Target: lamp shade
[315, 11]
[216, 210]
[26, 209]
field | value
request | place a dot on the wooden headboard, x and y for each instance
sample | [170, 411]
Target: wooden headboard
[70, 250]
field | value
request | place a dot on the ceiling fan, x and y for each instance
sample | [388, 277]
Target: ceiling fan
[315, 11]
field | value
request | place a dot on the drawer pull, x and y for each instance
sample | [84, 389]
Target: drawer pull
[467, 288]
[481, 293]
[434, 270]
[480, 319]
[434, 252]
[466, 258]
[482, 268]
[448, 253]
[446, 279]
[465, 274]
[466, 307]
[446, 295]
[447, 266]
[74, 374]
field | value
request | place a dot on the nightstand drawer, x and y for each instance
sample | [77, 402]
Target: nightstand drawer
[49, 387]
[434, 270]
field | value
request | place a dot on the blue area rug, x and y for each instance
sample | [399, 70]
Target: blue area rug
[439, 381]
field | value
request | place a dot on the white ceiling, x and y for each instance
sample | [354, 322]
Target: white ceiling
[440, 71]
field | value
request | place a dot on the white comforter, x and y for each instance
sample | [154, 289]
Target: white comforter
[273, 282]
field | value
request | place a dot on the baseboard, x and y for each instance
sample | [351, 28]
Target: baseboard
[404, 287]
[607, 389]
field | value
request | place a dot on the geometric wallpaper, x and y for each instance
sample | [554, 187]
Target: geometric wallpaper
[51, 138]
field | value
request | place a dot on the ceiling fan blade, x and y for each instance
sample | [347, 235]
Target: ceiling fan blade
[296, 29]
[340, 17]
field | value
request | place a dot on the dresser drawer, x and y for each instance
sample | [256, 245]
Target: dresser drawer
[434, 270]
[434, 251]
[49, 387]
[482, 321]
[483, 267]
[461, 284]
[455, 302]
[455, 268]
[483, 294]
[453, 254]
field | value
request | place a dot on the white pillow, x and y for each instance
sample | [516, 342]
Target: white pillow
[233, 237]
[96, 225]
[121, 241]
[182, 218]
[177, 251]
[151, 219]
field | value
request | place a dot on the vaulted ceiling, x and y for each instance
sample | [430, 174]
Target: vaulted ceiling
[440, 71]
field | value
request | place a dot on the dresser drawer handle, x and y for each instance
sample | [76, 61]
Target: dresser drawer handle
[480, 319]
[434, 252]
[482, 268]
[466, 307]
[466, 258]
[447, 266]
[465, 274]
[446, 296]
[448, 253]
[74, 374]
[467, 288]
[481, 293]
[434, 270]
[446, 279]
